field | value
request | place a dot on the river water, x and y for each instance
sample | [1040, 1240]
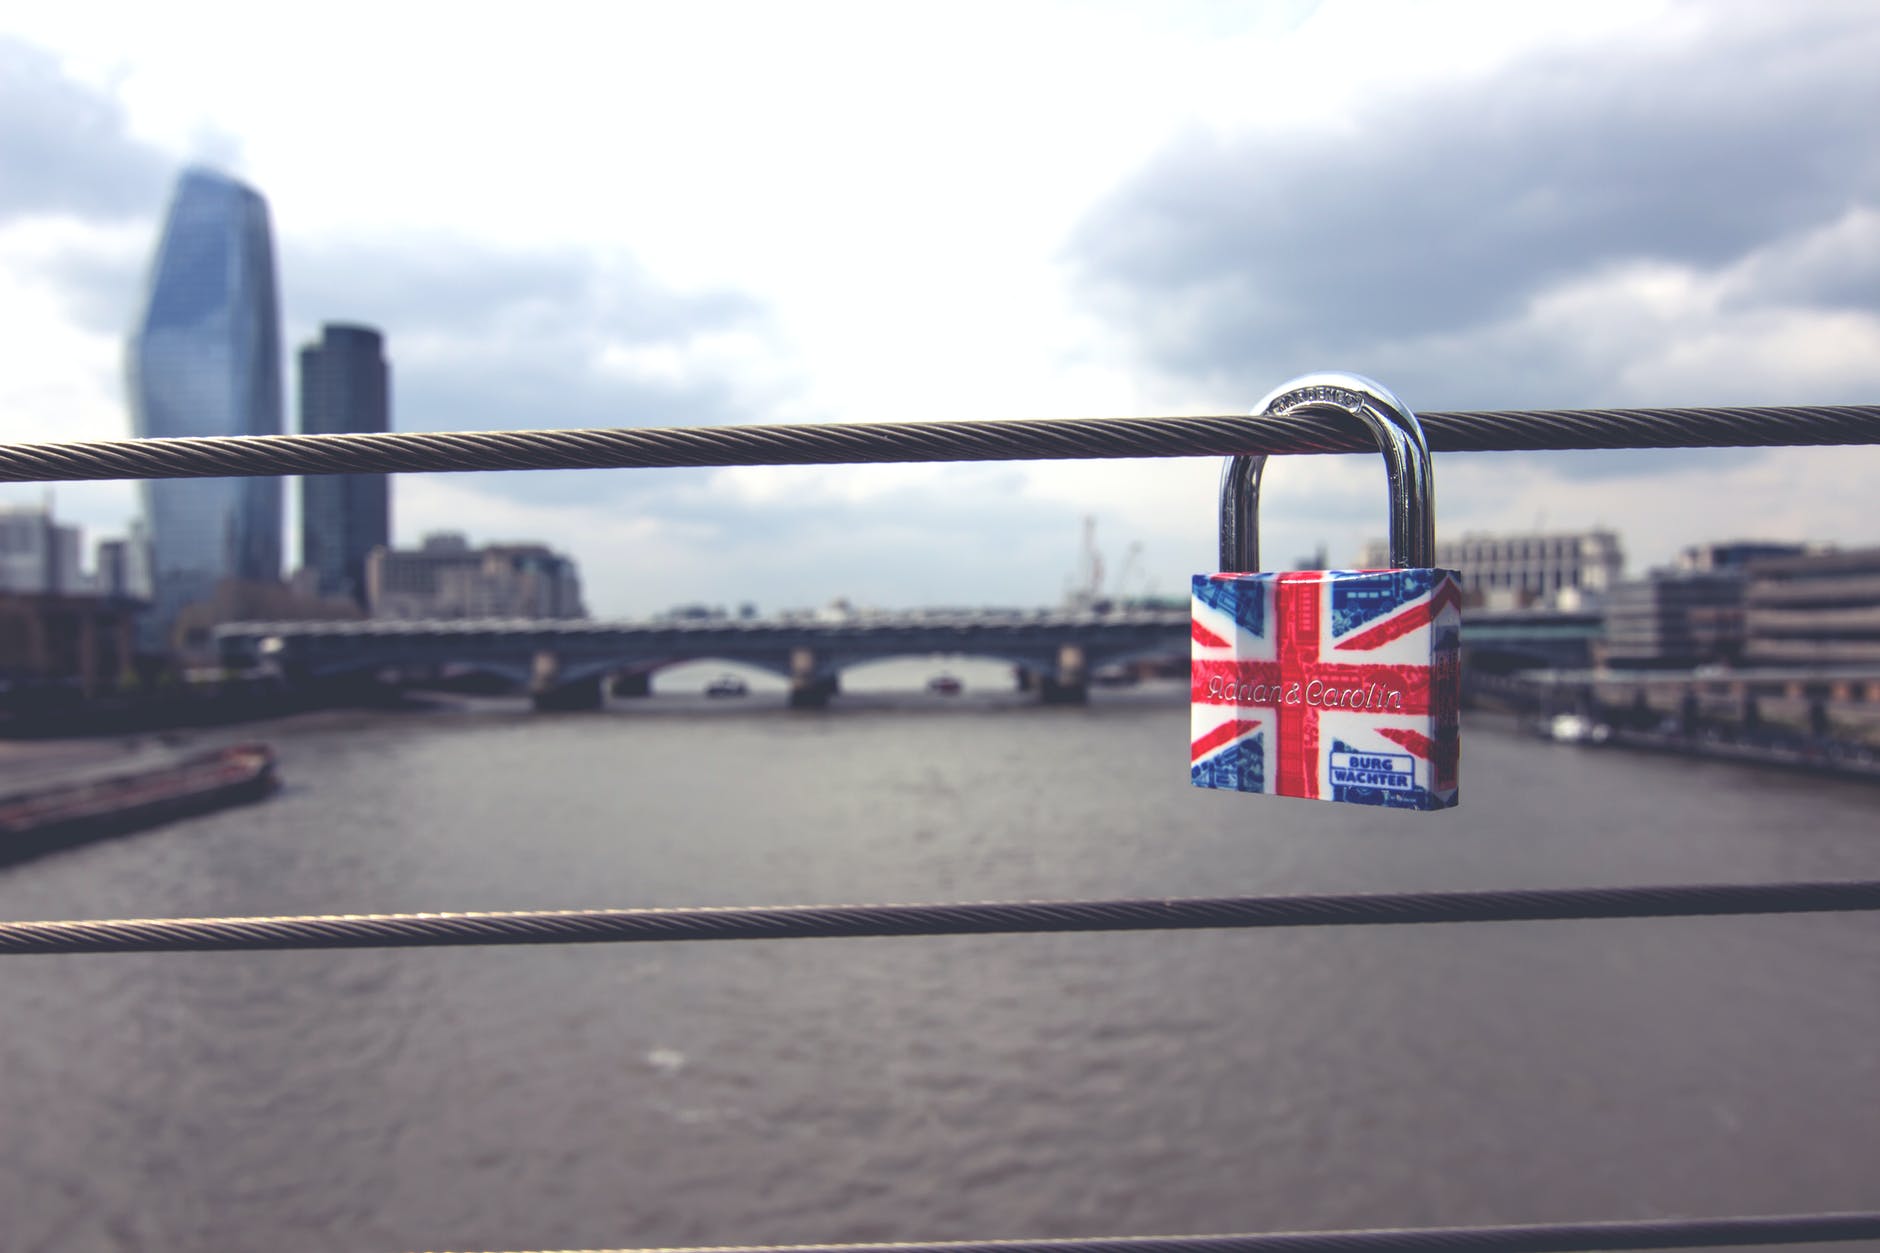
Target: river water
[840, 1090]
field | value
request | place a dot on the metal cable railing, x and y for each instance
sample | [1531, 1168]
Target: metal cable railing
[1533, 1238]
[800, 922]
[1500, 430]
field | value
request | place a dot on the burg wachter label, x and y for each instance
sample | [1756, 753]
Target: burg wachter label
[1338, 685]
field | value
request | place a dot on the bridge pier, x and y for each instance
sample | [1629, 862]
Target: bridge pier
[1070, 683]
[813, 693]
[1023, 678]
[809, 689]
[548, 693]
[583, 694]
[632, 683]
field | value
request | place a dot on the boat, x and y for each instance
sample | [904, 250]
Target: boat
[1576, 729]
[65, 814]
[945, 685]
[726, 685]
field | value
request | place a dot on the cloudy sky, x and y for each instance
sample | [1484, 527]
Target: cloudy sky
[661, 214]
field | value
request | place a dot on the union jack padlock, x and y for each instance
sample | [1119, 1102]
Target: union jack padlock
[1337, 685]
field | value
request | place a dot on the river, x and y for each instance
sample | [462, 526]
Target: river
[841, 1090]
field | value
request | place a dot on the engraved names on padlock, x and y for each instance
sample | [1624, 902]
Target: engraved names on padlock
[1316, 694]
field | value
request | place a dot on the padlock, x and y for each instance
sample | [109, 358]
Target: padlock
[1338, 685]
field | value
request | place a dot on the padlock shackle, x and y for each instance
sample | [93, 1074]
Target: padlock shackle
[1406, 460]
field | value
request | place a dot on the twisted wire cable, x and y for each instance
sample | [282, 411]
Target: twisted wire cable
[435, 930]
[878, 442]
[1674, 1233]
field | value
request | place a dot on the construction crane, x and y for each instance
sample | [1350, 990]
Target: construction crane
[1086, 587]
[1132, 564]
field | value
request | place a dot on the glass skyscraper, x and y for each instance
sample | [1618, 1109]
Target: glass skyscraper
[206, 360]
[344, 389]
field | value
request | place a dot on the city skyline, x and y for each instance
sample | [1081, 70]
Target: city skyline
[1496, 206]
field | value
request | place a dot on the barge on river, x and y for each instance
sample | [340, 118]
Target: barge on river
[65, 814]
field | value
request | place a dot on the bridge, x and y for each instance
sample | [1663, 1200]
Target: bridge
[568, 663]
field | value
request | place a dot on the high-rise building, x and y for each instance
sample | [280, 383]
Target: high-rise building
[344, 389]
[206, 360]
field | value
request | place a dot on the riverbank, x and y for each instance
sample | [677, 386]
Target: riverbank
[184, 709]
[1825, 757]
[1843, 746]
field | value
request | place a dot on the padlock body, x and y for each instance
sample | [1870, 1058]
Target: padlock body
[1337, 685]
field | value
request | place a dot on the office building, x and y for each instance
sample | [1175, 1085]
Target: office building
[37, 555]
[344, 389]
[446, 578]
[1820, 609]
[1515, 571]
[1750, 602]
[1735, 554]
[114, 567]
[205, 359]
[1673, 619]
[124, 565]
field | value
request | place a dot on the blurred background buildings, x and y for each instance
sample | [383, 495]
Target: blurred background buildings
[446, 578]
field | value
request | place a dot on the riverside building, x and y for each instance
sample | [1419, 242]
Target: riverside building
[206, 360]
[1691, 614]
[345, 389]
[63, 629]
[1818, 609]
[1674, 619]
[446, 578]
[1556, 569]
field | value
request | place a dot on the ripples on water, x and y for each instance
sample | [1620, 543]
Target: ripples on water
[928, 1089]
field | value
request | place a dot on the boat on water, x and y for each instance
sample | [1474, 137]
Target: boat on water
[1575, 729]
[726, 685]
[945, 685]
[65, 814]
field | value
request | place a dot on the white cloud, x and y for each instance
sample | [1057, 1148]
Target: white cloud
[63, 377]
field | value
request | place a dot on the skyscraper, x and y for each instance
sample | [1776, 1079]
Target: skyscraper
[206, 360]
[344, 389]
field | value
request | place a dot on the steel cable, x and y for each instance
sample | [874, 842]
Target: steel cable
[1673, 1233]
[839, 443]
[433, 930]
